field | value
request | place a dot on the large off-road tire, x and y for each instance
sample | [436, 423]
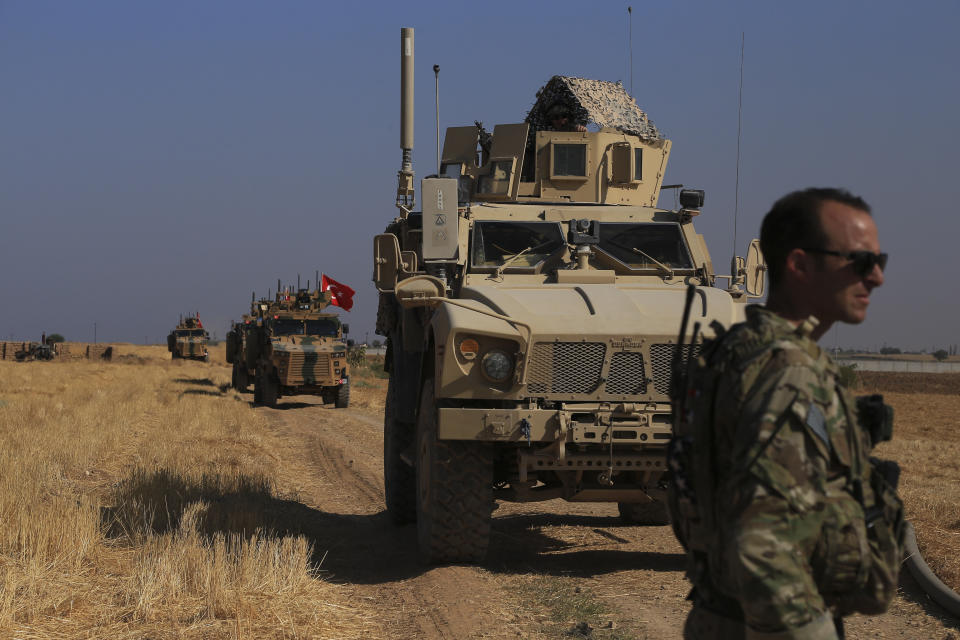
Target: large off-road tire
[454, 491]
[342, 398]
[243, 378]
[268, 387]
[644, 513]
[257, 389]
[399, 477]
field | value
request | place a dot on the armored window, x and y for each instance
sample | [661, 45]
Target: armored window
[287, 327]
[638, 163]
[328, 327]
[641, 246]
[514, 244]
[498, 181]
[569, 160]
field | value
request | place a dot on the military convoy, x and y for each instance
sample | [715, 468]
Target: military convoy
[531, 311]
[189, 339]
[290, 346]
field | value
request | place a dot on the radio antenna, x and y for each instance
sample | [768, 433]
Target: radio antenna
[436, 87]
[630, 20]
[736, 190]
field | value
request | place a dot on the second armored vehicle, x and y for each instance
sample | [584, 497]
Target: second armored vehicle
[300, 349]
[189, 340]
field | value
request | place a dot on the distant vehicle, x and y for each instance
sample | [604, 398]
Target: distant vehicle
[298, 349]
[35, 351]
[531, 311]
[189, 340]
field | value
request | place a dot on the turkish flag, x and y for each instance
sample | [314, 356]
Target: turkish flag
[342, 294]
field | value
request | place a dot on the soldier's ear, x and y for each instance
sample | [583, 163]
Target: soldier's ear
[799, 265]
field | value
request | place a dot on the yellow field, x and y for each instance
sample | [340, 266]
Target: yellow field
[134, 502]
[138, 498]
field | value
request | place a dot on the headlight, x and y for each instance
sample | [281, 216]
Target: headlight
[496, 365]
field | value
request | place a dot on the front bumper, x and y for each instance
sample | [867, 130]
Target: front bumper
[642, 425]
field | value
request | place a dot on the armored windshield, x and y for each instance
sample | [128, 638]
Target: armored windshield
[287, 327]
[190, 333]
[522, 244]
[323, 327]
[643, 245]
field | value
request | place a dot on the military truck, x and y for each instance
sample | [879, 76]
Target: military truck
[300, 349]
[189, 339]
[238, 343]
[531, 311]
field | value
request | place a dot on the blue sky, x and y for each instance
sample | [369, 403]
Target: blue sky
[159, 158]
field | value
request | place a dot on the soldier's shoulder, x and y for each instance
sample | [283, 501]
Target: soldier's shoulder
[767, 340]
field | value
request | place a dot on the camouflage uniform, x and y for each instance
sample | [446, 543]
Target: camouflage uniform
[772, 485]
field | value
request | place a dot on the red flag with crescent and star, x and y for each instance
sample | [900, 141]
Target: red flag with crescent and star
[342, 294]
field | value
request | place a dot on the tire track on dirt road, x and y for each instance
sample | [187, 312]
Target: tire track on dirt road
[333, 460]
[335, 456]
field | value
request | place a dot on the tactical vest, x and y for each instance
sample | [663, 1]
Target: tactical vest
[857, 557]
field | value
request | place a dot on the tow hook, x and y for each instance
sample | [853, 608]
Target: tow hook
[605, 478]
[525, 429]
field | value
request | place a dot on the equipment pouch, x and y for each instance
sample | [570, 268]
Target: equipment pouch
[841, 560]
[885, 532]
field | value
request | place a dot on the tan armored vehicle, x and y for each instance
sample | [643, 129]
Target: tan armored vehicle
[531, 311]
[299, 349]
[189, 340]
[241, 340]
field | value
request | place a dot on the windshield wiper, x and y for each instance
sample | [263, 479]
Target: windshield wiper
[506, 263]
[666, 270]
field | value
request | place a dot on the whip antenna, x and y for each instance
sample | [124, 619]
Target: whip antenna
[736, 190]
[436, 88]
[630, 20]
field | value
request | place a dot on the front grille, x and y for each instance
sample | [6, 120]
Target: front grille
[566, 367]
[661, 360]
[627, 374]
[307, 367]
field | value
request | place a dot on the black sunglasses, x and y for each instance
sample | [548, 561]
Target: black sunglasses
[863, 261]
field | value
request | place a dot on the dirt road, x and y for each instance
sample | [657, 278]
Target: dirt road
[555, 570]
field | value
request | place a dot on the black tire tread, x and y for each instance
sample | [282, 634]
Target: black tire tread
[455, 525]
[399, 478]
[342, 397]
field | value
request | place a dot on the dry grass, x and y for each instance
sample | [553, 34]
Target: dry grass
[139, 501]
[368, 385]
[926, 443]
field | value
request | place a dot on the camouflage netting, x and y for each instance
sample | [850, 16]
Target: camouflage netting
[605, 103]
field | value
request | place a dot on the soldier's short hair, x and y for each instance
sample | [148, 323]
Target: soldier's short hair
[794, 222]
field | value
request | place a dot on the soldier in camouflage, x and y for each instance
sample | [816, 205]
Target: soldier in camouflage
[788, 523]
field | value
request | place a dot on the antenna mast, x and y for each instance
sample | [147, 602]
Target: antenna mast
[630, 20]
[736, 190]
[436, 85]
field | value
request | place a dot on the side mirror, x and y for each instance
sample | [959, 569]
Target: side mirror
[420, 291]
[386, 261]
[350, 343]
[346, 327]
[755, 270]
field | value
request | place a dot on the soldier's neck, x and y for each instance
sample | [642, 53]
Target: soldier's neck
[795, 312]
